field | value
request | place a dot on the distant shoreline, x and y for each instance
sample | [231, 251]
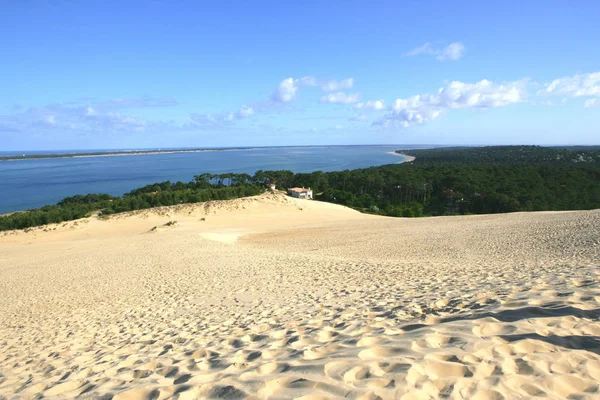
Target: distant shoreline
[110, 154]
[149, 152]
[407, 158]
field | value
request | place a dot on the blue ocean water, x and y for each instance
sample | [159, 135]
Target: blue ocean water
[26, 184]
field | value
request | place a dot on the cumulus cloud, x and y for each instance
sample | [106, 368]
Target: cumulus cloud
[454, 51]
[424, 108]
[592, 103]
[87, 115]
[220, 119]
[370, 105]
[82, 119]
[245, 112]
[425, 49]
[286, 91]
[579, 85]
[334, 86]
[546, 103]
[90, 111]
[199, 120]
[340, 98]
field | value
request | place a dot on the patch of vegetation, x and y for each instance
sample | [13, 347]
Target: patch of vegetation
[162, 194]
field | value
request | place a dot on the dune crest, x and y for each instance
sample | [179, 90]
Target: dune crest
[273, 297]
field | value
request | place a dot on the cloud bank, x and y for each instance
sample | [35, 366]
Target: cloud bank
[117, 115]
[427, 107]
[576, 86]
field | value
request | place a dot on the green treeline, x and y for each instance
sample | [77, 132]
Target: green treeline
[447, 181]
[414, 190]
[509, 155]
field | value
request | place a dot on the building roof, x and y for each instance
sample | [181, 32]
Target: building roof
[271, 184]
[296, 189]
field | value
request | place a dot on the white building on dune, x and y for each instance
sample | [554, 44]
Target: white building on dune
[300, 193]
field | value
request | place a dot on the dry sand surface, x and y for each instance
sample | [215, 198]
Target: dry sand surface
[272, 297]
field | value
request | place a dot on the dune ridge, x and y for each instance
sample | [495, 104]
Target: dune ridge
[274, 297]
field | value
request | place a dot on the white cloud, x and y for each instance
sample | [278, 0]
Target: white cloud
[89, 111]
[592, 103]
[50, 120]
[340, 98]
[424, 108]
[245, 111]
[117, 121]
[425, 49]
[97, 117]
[370, 105]
[454, 51]
[333, 85]
[198, 120]
[579, 85]
[106, 117]
[222, 118]
[286, 91]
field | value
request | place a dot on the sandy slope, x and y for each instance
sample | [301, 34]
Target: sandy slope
[271, 297]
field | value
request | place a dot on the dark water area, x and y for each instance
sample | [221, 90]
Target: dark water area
[32, 183]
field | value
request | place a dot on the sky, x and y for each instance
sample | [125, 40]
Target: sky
[156, 74]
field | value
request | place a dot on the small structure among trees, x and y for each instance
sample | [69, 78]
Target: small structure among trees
[271, 186]
[300, 193]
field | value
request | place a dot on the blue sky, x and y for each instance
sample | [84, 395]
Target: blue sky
[144, 73]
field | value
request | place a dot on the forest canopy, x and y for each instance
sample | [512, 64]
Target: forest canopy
[443, 181]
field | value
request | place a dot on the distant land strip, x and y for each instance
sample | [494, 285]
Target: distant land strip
[15, 157]
[116, 153]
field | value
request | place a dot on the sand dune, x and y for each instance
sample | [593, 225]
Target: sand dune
[273, 297]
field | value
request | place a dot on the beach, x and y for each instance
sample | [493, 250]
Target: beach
[407, 158]
[280, 298]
